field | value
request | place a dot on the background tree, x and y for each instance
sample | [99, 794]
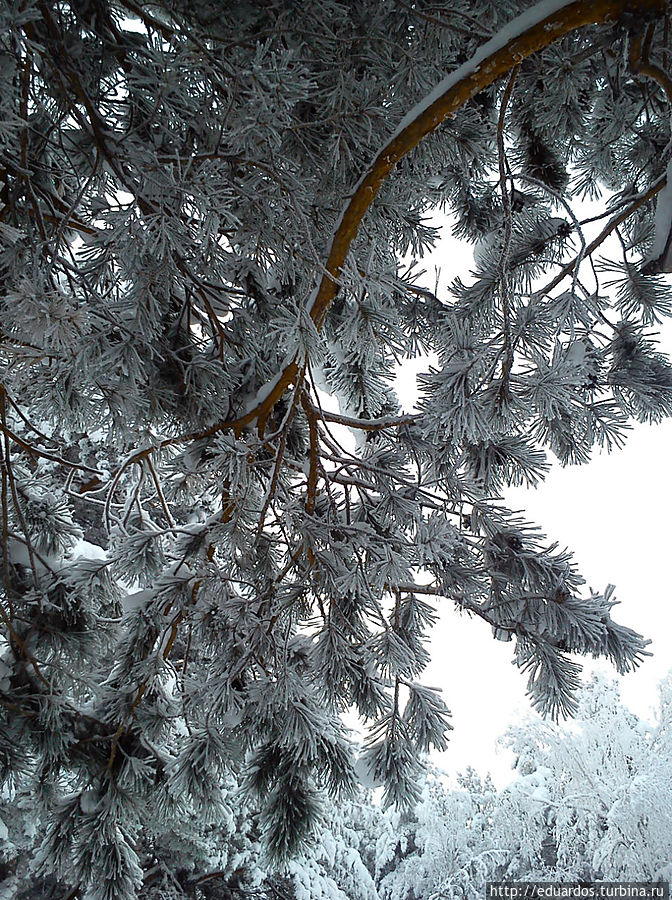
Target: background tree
[588, 803]
[202, 239]
[606, 787]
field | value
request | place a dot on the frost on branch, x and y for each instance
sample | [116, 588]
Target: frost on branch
[221, 530]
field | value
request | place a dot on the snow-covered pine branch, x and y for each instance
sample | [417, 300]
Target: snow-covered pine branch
[204, 214]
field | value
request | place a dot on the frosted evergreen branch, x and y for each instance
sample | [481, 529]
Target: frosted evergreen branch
[370, 424]
[530, 33]
[223, 561]
[639, 200]
[507, 349]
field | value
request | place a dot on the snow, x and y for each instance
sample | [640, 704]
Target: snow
[509, 32]
[86, 550]
[5, 675]
[267, 389]
[137, 600]
[88, 802]
[329, 847]
[662, 246]
[364, 776]
[576, 353]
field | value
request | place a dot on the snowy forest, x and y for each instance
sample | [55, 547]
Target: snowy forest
[224, 536]
[589, 803]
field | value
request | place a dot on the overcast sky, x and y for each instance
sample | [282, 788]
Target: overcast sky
[612, 512]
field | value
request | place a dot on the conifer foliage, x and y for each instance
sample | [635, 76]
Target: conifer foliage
[220, 529]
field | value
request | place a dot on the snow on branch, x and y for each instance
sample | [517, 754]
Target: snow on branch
[528, 33]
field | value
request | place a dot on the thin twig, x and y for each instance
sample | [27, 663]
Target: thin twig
[568, 269]
[507, 362]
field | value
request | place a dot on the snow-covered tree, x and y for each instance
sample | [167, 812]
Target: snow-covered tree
[447, 848]
[220, 528]
[604, 791]
[592, 802]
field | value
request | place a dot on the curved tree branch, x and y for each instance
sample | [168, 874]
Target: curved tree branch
[530, 32]
[527, 34]
[640, 64]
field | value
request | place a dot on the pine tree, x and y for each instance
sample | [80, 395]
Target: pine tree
[220, 527]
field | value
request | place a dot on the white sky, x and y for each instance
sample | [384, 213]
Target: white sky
[612, 512]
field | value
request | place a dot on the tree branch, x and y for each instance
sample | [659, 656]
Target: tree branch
[640, 64]
[370, 424]
[507, 363]
[525, 35]
[611, 226]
